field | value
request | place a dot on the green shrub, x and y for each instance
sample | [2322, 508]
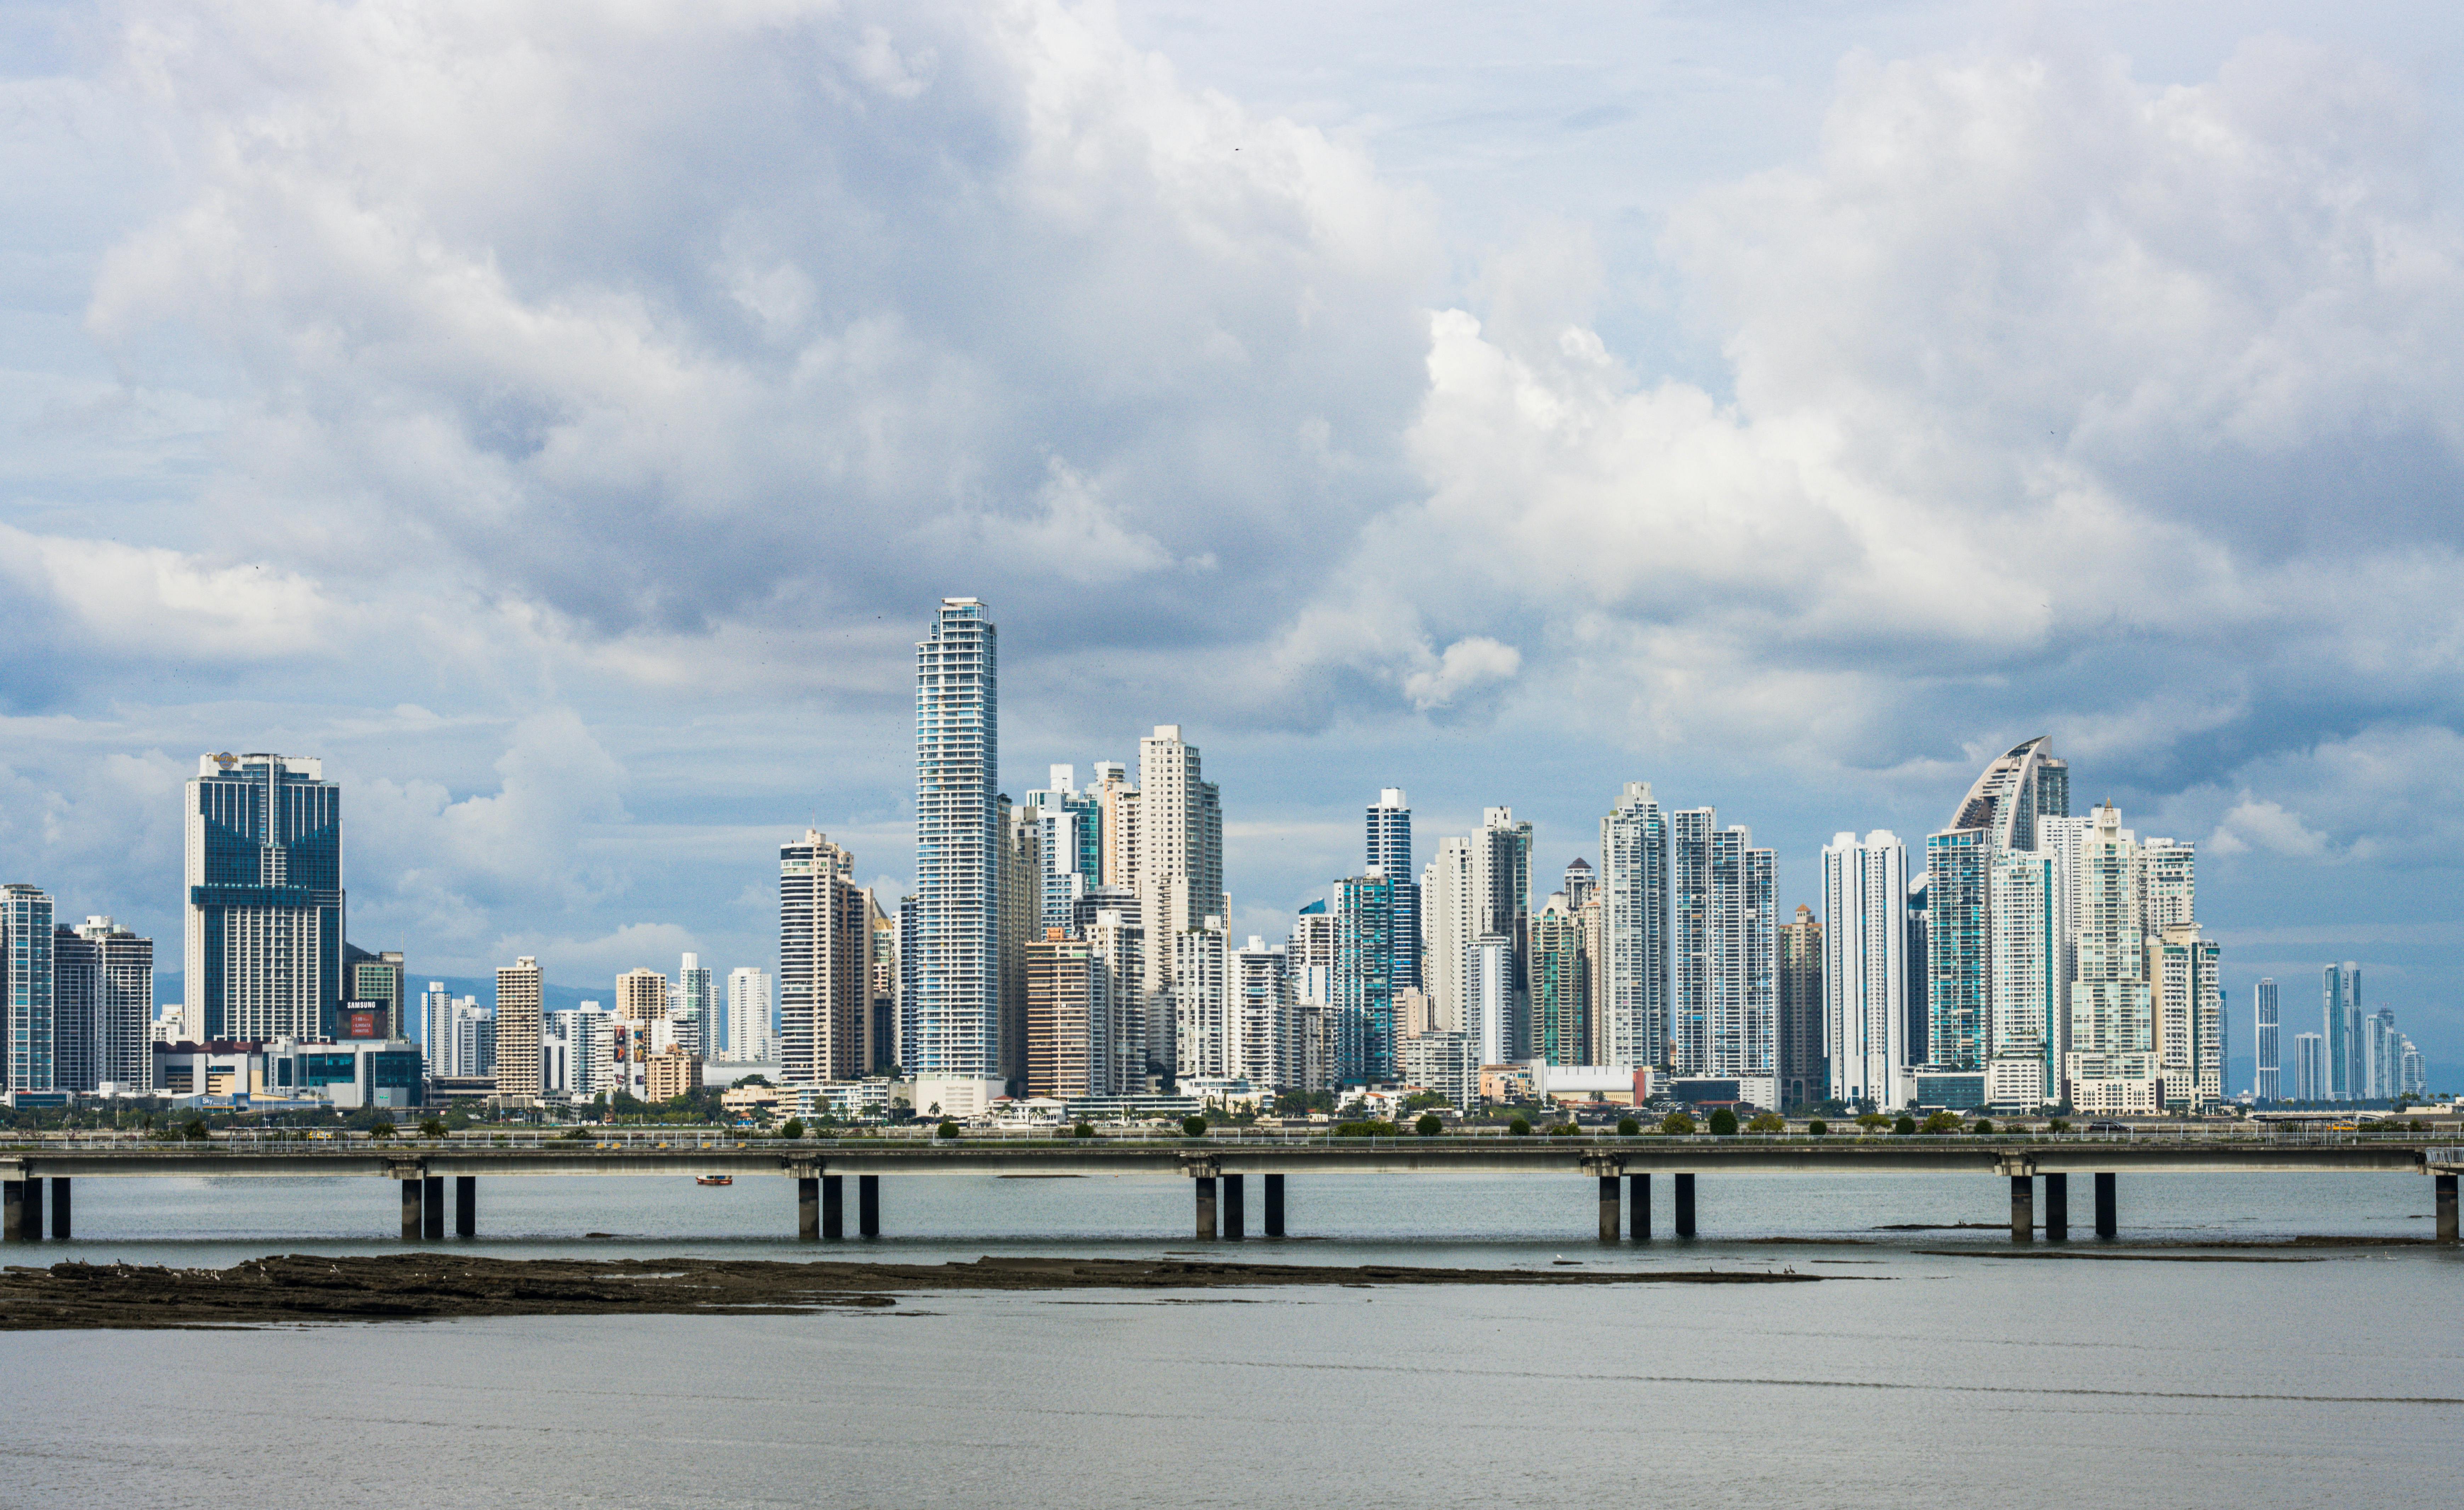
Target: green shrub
[1565, 1129]
[1941, 1121]
[2058, 1125]
[1428, 1127]
[1982, 1125]
[1084, 1130]
[431, 1126]
[949, 1129]
[383, 1129]
[1724, 1124]
[1768, 1122]
[1628, 1127]
[1904, 1126]
[1366, 1130]
[1677, 1123]
[1817, 1127]
[1520, 1126]
[795, 1128]
[1873, 1122]
[1193, 1126]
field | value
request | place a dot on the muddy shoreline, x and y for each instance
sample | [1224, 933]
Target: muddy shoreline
[427, 1287]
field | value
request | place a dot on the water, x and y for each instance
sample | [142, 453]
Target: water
[1942, 1371]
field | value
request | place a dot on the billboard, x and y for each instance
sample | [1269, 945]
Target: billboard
[362, 1019]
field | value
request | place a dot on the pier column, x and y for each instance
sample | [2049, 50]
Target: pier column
[2108, 1219]
[2023, 1208]
[2058, 1208]
[1205, 1184]
[411, 1204]
[1609, 1208]
[433, 1193]
[1637, 1191]
[808, 1207]
[868, 1205]
[33, 1211]
[465, 1205]
[1685, 1205]
[12, 1210]
[833, 1210]
[1236, 1219]
[59, 1207]
[2445, 1201]
[1274, 1205]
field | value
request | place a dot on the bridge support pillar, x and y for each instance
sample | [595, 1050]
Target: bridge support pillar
[59, 1207]
[808, 1207]
[1609, 1214]
[13, 1197]
[1205, 1184]
[2445, 1201]
[2108, 1221]
[2058, 1208]
[868, 1205]
[411, 1207]
[1685, 1205]
[1274, 1227]
[1236, 1217]
[833, 1210]
[2023, 1208]
[432, 1198]
[1637, 1189]
[465, 1205]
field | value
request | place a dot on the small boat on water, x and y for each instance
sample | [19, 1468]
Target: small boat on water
[714, 1180]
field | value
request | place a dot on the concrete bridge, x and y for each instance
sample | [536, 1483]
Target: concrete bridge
[1217, 1167]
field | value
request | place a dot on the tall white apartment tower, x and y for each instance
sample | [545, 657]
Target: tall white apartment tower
[956, 1018]
[749, 1030]
[1634, 895]
[2340, 994]
[1865, 966]
[1448, 927]
[824, 962]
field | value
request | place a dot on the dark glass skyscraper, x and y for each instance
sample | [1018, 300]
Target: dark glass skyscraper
[264, 899]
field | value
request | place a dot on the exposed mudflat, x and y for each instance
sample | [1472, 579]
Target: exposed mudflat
[422, 1286]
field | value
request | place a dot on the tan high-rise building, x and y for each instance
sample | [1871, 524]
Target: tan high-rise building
[641, 995]
[518, 1030]
[1804, 1064]
[1069, 1012]
[1116, 795]
[826, 942]
[1180, 847]
[669, 1073]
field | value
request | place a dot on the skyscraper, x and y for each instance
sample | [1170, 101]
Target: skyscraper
[1364, 982]
[2112, 1065]
[263, 955]
[1724, 946]
[1804, 1069]
[1262, 1016]
[1633, 893]
[102, 980]
[1202, 1001]
[1179, 845]
[28, 1009]
[377, 978]
[2309, 1069]
[825, 963]
[1561, 998]
[2023, 976]
[1022, 923]
[1866, 935]
[1389, 854]
[693, 1002]
[1448, 927]
[2340, 990]
[1999, 815]
[2269, 1083]
[2382, 1055]
[1071, 839]
[956, 1019]
[518, 1023]
[435, 1033]
[748, 1014]
[1069, 1017]
[641, 995]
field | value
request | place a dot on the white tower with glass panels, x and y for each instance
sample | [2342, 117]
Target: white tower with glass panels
[956, 1016]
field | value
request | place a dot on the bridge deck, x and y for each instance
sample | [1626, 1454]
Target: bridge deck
[1970, 1155]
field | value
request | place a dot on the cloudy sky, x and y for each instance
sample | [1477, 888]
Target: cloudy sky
[563, 418]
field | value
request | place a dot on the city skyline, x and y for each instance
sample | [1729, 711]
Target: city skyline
[572, 683]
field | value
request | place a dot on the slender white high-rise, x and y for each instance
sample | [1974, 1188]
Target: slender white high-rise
[1864, 967]
[956, 1016]
[1633, 893]
[750, 1031]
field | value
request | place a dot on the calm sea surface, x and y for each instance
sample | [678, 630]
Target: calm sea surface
[1936, 1370]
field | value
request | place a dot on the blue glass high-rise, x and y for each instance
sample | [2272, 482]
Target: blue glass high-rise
[1389, 854]
[264, 951]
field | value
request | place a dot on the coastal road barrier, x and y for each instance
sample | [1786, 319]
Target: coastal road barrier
[1217, 1167]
